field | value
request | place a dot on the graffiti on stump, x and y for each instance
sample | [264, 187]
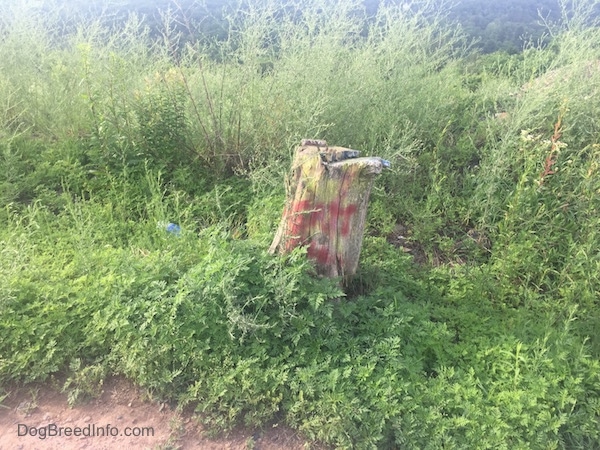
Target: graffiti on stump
[327, 206]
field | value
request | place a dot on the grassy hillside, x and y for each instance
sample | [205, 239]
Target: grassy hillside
[473, 321]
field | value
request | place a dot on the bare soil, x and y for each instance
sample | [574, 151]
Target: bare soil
[122, 417]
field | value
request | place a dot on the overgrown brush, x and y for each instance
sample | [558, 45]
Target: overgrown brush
[108, 133]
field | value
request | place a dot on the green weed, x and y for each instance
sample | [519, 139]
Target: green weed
[482, 335]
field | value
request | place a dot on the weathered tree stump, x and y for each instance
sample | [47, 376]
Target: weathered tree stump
[327, 205]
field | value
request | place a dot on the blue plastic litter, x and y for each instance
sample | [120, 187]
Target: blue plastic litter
[385, 163]
[173, 228]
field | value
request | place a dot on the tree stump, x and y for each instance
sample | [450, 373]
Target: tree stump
[326, 206]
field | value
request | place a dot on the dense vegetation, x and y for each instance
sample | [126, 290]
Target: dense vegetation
[506, 25]
[477, 328]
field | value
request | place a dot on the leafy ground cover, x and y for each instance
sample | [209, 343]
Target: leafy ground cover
[472, 323]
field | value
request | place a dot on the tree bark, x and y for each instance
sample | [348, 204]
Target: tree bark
[327, 206]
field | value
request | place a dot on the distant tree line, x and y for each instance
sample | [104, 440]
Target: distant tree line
[498, 25]
[505, 25]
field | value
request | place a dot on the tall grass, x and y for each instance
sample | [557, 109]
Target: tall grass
[283, 73]
[108, 132]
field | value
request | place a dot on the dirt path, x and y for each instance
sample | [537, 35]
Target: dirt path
[31, 418]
